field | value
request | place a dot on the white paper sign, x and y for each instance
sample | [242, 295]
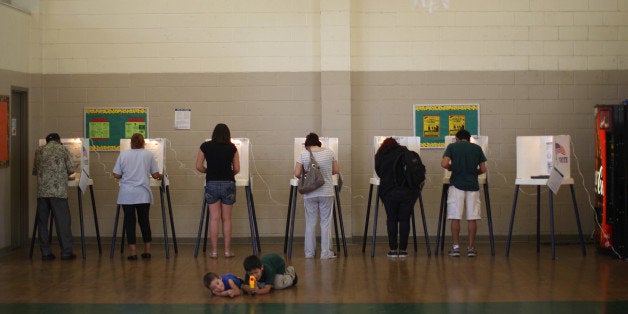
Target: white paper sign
[182, 119]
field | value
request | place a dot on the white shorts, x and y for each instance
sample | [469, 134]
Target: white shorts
[456, 201]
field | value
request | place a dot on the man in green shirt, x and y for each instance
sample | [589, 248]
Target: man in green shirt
[466, 161]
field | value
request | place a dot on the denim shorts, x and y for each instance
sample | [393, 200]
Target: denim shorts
[224, 191]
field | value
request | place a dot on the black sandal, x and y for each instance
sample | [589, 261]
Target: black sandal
[132, 258]
[146, 255]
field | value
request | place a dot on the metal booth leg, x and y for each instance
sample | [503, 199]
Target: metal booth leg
[512, 220]
[366, 222]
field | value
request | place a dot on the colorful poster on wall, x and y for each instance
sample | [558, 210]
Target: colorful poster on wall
[106, 126]
[433, 122]
[4, 131]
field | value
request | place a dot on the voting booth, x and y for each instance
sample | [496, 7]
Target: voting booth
[413, 143]
[157, 147]
[544, 161]
[298, 147]
[79, 150]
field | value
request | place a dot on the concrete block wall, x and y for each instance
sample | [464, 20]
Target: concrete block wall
[276, 70]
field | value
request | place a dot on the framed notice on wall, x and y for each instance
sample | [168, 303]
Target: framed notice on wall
[106, 126]
[4, 131]
[433, 122]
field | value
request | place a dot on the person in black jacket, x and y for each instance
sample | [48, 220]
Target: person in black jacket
[398, 200]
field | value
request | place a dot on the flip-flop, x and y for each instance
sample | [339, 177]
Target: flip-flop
[213, 255]
[229, 254]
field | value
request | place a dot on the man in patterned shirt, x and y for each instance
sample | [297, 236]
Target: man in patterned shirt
[53, 164]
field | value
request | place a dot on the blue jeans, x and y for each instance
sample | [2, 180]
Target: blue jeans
[224, 191]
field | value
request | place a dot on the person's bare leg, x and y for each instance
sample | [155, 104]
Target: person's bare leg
[473, 228]
[214, 220]
[226, 228]
[455, 231]
[132, 249]
[147, 247]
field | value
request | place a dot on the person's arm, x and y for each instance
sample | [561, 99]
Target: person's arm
[200, 160]
[117, 176]
[446, 163]
[36, 163]
[235, 290]
[156, 176]
[236, 163]
[266, 290]
[257, 290]
[298, 168]
[335, 169]
[482, 168]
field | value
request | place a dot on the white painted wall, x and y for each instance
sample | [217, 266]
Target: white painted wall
[15, 36]
[490, 35]
[98, 36]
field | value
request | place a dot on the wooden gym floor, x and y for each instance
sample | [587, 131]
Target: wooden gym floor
[525, 282]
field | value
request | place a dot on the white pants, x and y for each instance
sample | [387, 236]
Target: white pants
[456, 201]
[314, 206]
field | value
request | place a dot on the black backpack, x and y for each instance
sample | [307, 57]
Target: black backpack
[408, 170]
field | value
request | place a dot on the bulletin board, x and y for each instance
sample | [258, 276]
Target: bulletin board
[4, 131]
[106, 126]
[433, 122]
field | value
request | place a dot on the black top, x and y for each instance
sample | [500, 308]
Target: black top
[219, 158]
[384, 164]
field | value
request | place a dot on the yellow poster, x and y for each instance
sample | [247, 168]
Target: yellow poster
[456, 122]
[431, 126]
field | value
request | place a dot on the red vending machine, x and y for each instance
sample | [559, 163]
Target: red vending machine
[611, 178]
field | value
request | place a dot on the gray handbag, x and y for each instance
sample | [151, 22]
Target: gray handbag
[312, 179]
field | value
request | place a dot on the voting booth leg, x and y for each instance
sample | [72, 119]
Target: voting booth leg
[293, 207]
[174, 235]
[375, 223]
[442, 216]
[285, 239]
[91, 193]
[412, 220]
[552, 242]
[575, 208]
[200, 228]
[538, 218]
[163, 219]
[35, 225]
[259, 246]
[115, 232]
[427, 237]
[490, 218]
[335, 218]
[206, 228]
[252, 220]
[82, 225]
[366, 222]
[512, 220]
[342, 226]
